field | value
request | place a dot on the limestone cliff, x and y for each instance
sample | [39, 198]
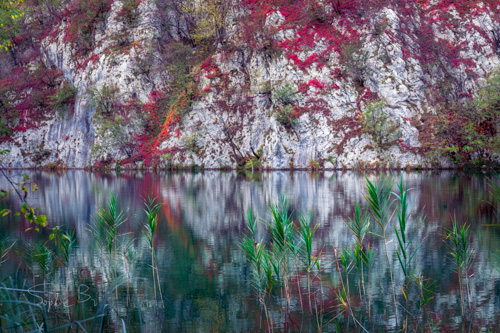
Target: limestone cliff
[338, 90]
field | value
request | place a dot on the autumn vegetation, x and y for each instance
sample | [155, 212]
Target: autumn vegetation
[195, 37]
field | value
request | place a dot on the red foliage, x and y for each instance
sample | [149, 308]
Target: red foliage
[146, 142]
[320, 86]
[81, 19]
[25, 97]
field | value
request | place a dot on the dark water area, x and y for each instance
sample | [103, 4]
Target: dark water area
[204, 275]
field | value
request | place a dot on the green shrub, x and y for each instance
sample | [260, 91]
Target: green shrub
[285, 95]
[465, 132]
[64, 98]
[104, 99]
[285, 116]
[190, 143]
[378, 124]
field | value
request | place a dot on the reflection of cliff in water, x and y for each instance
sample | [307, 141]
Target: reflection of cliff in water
[204, 272]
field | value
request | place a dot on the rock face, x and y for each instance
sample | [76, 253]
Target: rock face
[67, 140]
[279, 111]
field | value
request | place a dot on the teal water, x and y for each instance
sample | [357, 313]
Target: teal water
[205, 277]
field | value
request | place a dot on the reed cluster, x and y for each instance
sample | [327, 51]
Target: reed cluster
[288, 265]
[58, 297]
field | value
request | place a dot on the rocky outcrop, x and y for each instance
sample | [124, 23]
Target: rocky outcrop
[258, 110]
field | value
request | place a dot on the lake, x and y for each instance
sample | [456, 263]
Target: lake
[203, 280]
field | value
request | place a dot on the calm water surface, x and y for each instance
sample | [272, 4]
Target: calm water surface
[204, 276]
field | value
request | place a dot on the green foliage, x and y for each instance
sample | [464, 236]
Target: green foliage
[112, 219]
[458, 242]
[104, 227]
[465, 132]
[10, 13]
[314, 165]
[354, 60]
[404, 252]
[5, 130]
[22, 189]
[285, 116]
[254, 163]
[151, 211]
[379, 125]
[181, 61]
[461, 255]
[281, 228]
[488, 97]
[64, 98]
[358, 224]
[284, 106]
[426, 289]
[285, 94]
[40, 259]
[306, 235]
[104, 99]
[290, 249]
[97, 227]
[378, 198]
[65, 242]
[206, 21]
[190, 142]
[111, 120]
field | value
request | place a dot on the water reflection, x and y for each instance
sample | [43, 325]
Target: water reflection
[204, 275]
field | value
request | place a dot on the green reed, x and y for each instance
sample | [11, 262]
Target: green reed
[281, 230]
[290, 250]
[263, 267]
[359, 257]
[64, 244]
[41, 257]
[151, 211]
[105, 230]
[402, 228]
[306, 231]
[378, 197]
[461, 255]
[97, 227]
[425, 289]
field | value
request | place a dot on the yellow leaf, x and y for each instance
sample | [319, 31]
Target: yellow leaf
[404, 294]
